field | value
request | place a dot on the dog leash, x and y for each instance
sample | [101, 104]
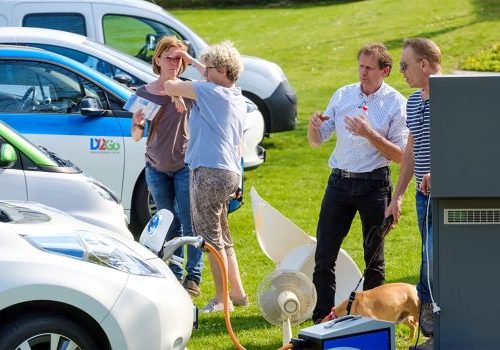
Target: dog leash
[380, 231]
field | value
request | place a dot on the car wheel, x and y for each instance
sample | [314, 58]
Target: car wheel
[144, 207]
[41, 331]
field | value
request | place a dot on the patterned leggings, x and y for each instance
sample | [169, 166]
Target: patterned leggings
[210, 189]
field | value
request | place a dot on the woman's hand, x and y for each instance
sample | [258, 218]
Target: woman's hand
[184, 55]
[138, 119]
[180, 106]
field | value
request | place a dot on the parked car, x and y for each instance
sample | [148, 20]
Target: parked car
[70, 285]
[30, 173]
[77, 112]
[105, 21]
[125, 69]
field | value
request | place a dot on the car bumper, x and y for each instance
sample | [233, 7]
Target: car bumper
[282, 108]
[151, 313]
[253, 153]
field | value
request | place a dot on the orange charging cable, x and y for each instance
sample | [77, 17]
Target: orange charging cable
[226, 296]
[226, 301]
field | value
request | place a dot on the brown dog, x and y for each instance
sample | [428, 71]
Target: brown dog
[394, 302]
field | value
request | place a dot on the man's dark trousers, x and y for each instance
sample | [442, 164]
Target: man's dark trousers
[344, 196]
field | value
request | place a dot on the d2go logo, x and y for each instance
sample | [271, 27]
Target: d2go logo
[103, 145]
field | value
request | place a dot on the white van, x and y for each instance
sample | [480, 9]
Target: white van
[104, 21]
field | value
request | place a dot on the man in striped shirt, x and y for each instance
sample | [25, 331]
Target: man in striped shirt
[420, 59]
[369, 120]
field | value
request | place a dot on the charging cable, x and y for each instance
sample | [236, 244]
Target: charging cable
[435, 306]
[226, 296]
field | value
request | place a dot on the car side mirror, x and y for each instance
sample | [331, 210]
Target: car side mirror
[91, 106]
[8, 156]
[123, 79]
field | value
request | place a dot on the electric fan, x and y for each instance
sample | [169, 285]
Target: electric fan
[286, 297]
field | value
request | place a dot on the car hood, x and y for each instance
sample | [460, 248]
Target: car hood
[264, 67]
[31, 218]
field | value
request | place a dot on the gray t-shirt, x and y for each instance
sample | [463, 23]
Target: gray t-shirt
[167, 133]
[216, 127]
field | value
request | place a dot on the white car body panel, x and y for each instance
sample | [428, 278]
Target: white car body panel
[70, 191]
[54, 189]
[13, 184]
[135, 312]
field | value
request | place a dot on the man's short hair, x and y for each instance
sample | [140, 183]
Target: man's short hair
[164, 44]
[380, 52]
[427, 49]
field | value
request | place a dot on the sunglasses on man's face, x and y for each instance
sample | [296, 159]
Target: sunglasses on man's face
[403, 66]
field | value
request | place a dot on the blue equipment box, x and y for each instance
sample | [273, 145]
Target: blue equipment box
[350, 332]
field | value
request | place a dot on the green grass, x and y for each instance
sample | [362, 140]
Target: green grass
[316, 47]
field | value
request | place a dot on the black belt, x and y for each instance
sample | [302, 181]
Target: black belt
[377, 174]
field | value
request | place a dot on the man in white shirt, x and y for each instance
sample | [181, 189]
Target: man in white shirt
[369, 119]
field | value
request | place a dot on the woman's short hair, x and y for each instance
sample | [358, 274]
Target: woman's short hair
[164, 44]
[380, 52]
[427, 49]
[224, 56]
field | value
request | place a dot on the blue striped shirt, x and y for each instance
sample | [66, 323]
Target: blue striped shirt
[419, 123]
[386, 114]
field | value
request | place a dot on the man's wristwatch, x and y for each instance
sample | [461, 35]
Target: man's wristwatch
[139, 126]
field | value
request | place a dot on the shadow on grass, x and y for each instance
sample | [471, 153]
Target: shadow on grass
[239, 325]
[486, 10]
[398, 42]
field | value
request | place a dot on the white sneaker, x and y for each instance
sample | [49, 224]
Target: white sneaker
[214, 306]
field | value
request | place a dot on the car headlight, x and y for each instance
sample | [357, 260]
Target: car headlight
[97, 249]
[103, 191]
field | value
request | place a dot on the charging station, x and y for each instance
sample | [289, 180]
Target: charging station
[349, 332]
[465, 168]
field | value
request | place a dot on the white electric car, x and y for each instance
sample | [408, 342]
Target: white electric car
[78, 113]
[127, 70]
[66, 284]
[31, 173]
[134, 26]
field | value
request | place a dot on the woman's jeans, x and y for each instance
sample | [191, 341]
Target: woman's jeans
[424, 216]
[170, 190]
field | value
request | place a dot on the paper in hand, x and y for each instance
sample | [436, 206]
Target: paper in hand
[134, 103]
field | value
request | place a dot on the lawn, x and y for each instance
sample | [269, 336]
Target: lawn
[316, 46]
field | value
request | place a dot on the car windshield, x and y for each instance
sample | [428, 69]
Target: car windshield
[61, 162]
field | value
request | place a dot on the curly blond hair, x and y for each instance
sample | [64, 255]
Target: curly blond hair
[224, 56]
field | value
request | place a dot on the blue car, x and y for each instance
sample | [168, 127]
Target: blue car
[78, 113]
